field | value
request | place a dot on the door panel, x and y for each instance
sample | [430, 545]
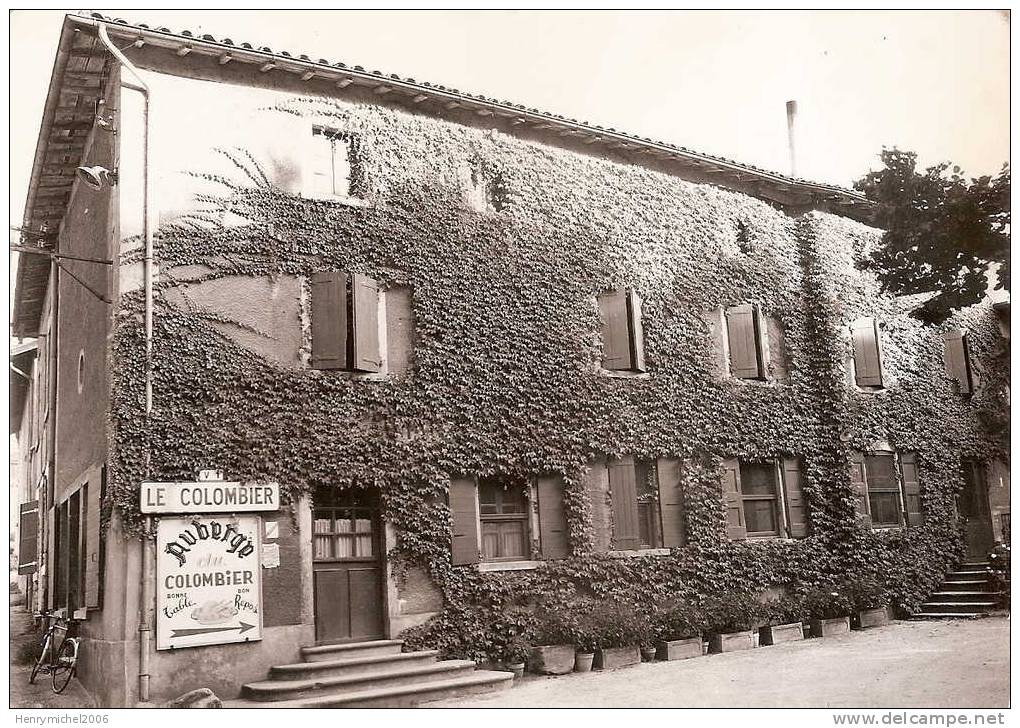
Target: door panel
[347, 566]
[973, 508]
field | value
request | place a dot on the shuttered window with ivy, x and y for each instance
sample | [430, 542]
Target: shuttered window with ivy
[887, 489]
[744, 331]
[867, 353]
[764, 499]
[345, 322]
[622, 334]
[647, 503]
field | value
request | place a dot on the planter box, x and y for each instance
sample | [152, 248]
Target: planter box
[830, 627]
[777, 633]
[871, 618]
[614, 657]
[731, 641]
[680, 649]
[551, 659]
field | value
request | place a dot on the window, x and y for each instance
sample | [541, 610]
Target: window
[343, 525]
[503, 513]
[647, 503]
[867, 354]
[345, 322]
[72, 566]
[887, 488]
[622, 335]
[957, 359]
[749, 345]
[764, 498]
[744, 334]
[494, 519]
[488, 191]
[334, 165]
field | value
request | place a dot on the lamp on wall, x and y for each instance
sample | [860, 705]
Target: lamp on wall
[96, 177]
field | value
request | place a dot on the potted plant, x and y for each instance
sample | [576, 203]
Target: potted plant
[785, 624]
[617, 631]
[553, 651]
[829, 607]
[871, 604]
[514, 654]
[677, 631]
[732, 622]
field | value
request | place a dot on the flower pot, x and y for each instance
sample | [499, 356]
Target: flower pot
[731, 641]
[647, 654]
[551, 659]
[517, 668]
[680, 649]
[777, 633]
[871, 618]
[583, 661]
[830, 627]
[611, 658]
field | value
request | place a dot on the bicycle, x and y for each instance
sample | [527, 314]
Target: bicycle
[60, 662]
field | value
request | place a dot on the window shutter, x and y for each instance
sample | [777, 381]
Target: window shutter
[637, 334]
[745, 362]
[911, 488]
[329, 320]
[320, 167]
[464, 507]
[859, 483]
[774, 341]
[867, 360]
[735, 527]
[28, 533]
[616, 349]
[671, 502]
[715, 322]
[956, 359]
[552, 521]
[796, 505]
[93, 552]
[623, 487]
[367, 354]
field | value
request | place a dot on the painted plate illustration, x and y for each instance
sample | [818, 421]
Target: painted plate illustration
[214, 612]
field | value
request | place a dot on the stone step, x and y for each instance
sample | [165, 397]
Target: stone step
[276, 690]
[352, 666]
[958, 607]
[966, 576]
[399, 696]
[326, 653]
[961, 596]
[924, 614]
[966, 585]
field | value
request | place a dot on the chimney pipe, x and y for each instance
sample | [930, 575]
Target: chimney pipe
[791, 118]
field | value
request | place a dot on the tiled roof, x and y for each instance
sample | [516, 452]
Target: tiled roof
[81, 62]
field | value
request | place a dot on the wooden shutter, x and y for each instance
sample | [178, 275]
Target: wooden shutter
[859, 483]
[956, 359]
[28, 534]
[329, 320]
[637, 333]
[741, 327]
[464, 507]
[735, 527]
[616, 348]
[911, 488]
[552, 520]
[774, 341]
[93, 550]
[367, 353]
[671, 502]
[623, 489]
[867, 359]
[796, 505]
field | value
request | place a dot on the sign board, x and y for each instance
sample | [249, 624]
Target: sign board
[208, 588]
[209, 497]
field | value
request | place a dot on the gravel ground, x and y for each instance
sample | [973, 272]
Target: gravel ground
[39, 695]
[939, 664]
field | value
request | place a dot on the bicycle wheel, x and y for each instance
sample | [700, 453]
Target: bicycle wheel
[43, 657]
[65, 665]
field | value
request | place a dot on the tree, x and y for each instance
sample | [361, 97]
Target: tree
[943, 235]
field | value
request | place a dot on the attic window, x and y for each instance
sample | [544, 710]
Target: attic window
[334, 168]
[488, 190]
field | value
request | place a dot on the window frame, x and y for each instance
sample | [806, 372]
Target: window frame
[350, 329]
[897, 489]
[524, 517]
[354, 194]
[777, 498]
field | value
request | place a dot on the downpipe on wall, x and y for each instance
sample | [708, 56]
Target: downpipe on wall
[147, 595]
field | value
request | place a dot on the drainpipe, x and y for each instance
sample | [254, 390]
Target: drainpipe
[791, 120]
[147, 597]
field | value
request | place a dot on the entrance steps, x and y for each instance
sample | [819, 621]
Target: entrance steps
[965, 592]
[367, 675]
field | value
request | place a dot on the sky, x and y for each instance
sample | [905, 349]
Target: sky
[934, 82]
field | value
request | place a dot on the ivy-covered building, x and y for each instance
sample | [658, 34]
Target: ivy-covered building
[488, 353]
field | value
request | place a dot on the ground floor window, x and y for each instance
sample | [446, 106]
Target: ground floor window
[883, 489]
[764, 498]
[503, 514]
[759, 493]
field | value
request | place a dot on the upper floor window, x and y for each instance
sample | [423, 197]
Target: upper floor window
[749, 345]
[334, 166]
[345, 322]
[887, 488]
[764, 498]
[487, 192]
[867, 354]
[957, 359]
[622, 335]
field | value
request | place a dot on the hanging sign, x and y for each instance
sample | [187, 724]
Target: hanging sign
[209, 497]
[208, 589]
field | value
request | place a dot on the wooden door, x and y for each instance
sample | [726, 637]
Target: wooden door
[347, 565]
[974, 510]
